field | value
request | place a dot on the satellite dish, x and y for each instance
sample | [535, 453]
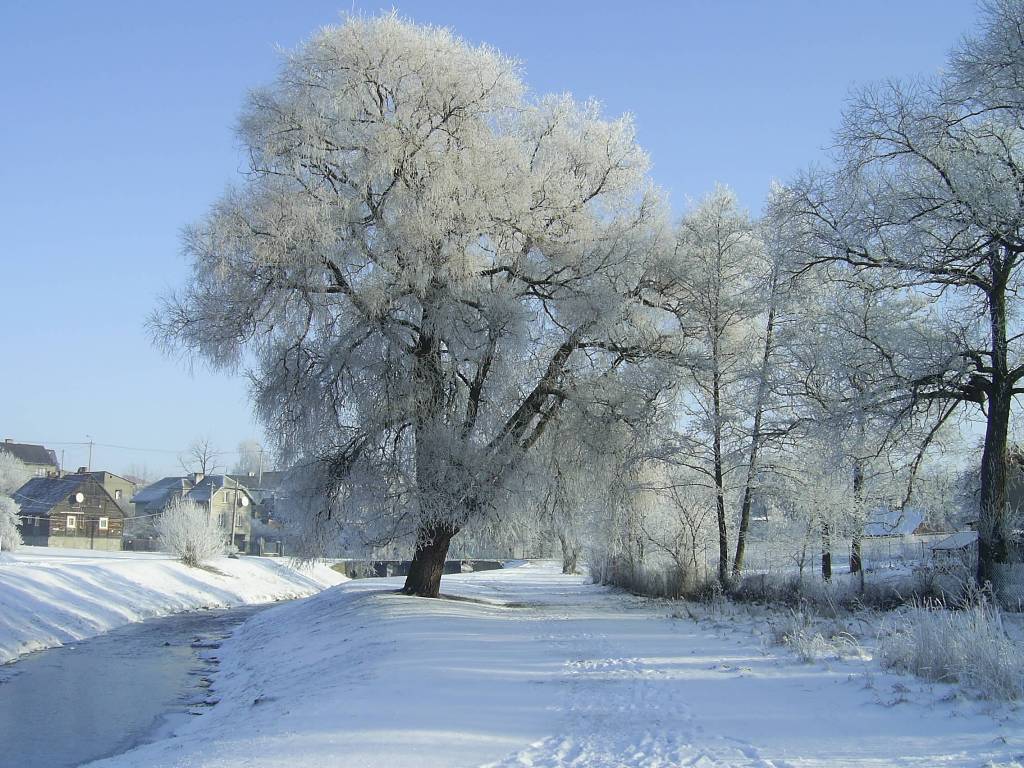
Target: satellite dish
[244, 501]
[79, 497]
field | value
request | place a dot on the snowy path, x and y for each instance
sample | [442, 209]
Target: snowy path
[539, 670]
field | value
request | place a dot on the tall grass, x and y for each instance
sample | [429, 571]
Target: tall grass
[967, 646]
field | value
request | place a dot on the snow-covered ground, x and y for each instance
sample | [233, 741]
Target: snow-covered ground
[539, 669]
[50, 596]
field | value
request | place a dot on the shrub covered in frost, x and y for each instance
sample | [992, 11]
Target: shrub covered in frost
[967, 646]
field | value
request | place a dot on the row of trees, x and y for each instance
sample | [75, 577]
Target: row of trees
[464, 306]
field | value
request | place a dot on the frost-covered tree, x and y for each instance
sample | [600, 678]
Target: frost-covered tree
[13, 475]
[425, 266]
[250, 458]
[189, 531]
[714, 269]
[927, 193]
[10, 537]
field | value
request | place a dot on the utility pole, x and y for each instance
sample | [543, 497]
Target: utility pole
[234, 508]
[88, 467]
[259, 479]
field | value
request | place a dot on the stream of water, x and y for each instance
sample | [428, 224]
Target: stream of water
[95, 698]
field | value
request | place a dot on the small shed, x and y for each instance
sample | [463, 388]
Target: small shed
[962, 547]
[75, 512]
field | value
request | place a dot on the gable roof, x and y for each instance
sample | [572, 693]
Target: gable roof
[959, 540]
[893, 522]
[160, 492]
[269, 480]
[210, 484]
[41, 494]
[30, 454]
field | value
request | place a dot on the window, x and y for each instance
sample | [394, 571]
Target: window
[117, 494]
[104, 523]
[72, 522]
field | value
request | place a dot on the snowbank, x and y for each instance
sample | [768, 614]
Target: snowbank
[535, 668]
[49, 596]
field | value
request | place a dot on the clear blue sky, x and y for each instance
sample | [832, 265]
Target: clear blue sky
[117, 130]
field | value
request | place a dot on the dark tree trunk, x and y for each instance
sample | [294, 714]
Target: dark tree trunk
[723, 529]
[427, 567]
[993, 547]
[826, 550]
[755, 444]
[570, 554]
[858, 500]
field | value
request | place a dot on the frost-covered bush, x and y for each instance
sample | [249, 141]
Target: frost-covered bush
[967, 646]
[10, 538]
[187, 530]
[812, 638]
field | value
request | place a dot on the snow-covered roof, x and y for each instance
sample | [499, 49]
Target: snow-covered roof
[958, 540]
[893, 522]
[41, 494]
[210, 484]
[30, 454]
[159, 492]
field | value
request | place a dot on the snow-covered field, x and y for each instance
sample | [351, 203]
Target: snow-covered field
[539, 669]
[50, 596]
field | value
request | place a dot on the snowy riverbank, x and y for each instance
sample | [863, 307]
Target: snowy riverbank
[50, 596]
[540, 669]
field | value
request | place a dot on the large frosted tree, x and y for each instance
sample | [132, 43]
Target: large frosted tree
[422, 266]
[928, 197]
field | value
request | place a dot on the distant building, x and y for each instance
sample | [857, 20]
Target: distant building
[227, 500]
[41, 461]
[896, 522]
[156, 497]
[75, 512]
[120, 488]
[265, 489]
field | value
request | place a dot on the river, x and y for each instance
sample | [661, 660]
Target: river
[95, 698]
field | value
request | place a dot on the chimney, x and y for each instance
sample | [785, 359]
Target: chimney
[8, 440]
[196, 478]
[82, 470]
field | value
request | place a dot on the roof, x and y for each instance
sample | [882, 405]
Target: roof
[210, 484]
[29, 453]
[159, 492]
[269, 480]
[41, 494]
[893, 522]
[101, 476]
[959, 540]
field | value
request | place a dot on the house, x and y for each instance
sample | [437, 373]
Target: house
[73, 511]
[41, 461]
[156, 497]
[895, 522]
[223, 497]
[120, 489]
[265, 488]
[229, 502]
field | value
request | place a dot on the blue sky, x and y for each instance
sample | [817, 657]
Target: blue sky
[117, 129]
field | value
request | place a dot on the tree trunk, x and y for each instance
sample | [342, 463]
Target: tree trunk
[826, 550]
[993, 547]
[723, 530]
[570, 554]
[858, 500]
[755, 441]
[427, 567]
